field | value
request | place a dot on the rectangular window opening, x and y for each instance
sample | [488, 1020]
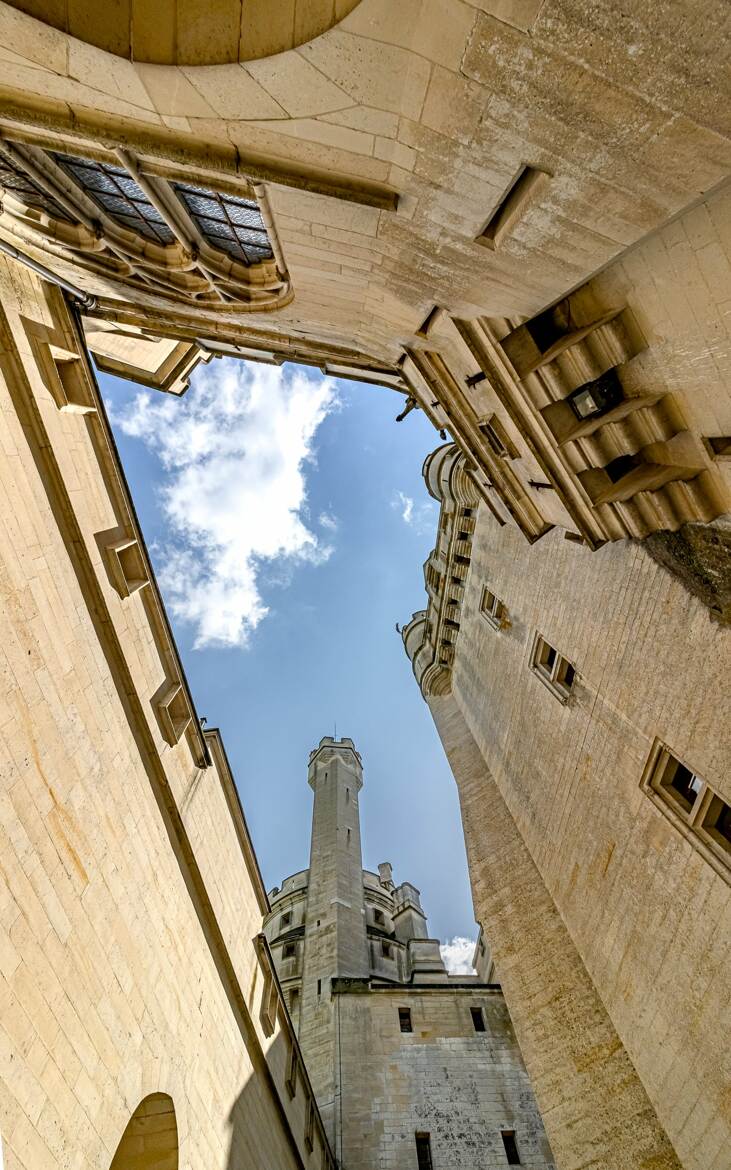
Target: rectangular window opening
[695, 807]
[378, 917]
[478, 1019]
[404, 1019]
[386, 950]
[423, 1151]
[286, 920]
[289, 950]
[498, 439]
[319, 988]
[492, 608]
[524, 188]
[511, 1147]
[553, 669]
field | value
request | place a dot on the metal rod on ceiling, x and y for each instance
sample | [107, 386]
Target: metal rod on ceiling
[86, 300]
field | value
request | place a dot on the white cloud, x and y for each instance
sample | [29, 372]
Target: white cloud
[457, 954]
[327, 520]
[422, 517]
[235, 499]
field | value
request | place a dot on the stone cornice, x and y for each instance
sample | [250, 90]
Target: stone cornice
[430, 637]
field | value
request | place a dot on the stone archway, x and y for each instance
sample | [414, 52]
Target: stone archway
[150, 1141]
[192, 32]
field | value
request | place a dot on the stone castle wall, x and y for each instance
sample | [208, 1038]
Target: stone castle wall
[648, 915]
[130, 895]
[461, 1087]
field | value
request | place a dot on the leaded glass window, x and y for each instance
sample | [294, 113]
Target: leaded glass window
[116, 192]
[15, 181]
[228, 222]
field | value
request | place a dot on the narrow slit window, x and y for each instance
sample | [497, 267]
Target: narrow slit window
[404, 1019]
[511, 1147]
[319, 988]
[498, 439]
[423, 1151]
[553, 669]
[478, 1019]
[525, 187]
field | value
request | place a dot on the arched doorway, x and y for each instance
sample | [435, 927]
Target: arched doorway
[150, 1141]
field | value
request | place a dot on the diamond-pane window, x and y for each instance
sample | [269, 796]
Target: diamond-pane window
[228, 222]
[17, 183]
[118, 195]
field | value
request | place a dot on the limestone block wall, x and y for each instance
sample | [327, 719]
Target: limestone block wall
[389, 141]
[647, 913]
[444, 1079]
[130, 890]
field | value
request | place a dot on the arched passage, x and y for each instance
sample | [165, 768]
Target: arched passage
[150, 1141]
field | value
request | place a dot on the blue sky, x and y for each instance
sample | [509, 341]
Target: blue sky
[288, 522]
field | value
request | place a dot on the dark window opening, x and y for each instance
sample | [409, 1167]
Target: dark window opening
[227, 222]
[404, 1019]
[549, 657]
[549, 326]
[423, 1151]
[511, 1148]
[685, 783]
[285, 920]
[478, 1019]
[386, 950]
[319, 987]
[718, 822]
[114, 190]
[622, 466]
[378, 917]
[289, 950]
[719, 444]
[597, 397]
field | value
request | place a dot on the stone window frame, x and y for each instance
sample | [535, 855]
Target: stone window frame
[285, 920]
[168, 252]
[404, 1017]
[696, 821]
[492, 609]
[558, 674]
[500, 442]
[289, 950]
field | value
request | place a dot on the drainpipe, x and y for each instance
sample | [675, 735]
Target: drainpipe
[84, 299]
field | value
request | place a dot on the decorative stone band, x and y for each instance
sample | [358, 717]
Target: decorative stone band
[431, 636]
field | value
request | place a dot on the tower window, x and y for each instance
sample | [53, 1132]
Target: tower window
[553, 669]
[319, 988]
[702, 815]
[378, 917]
[478, 1019]
[285, 921]
[404, 1019]
[511, 1147]
[423, 1151]
[386, 950]
[289, 950]
[492, 608]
